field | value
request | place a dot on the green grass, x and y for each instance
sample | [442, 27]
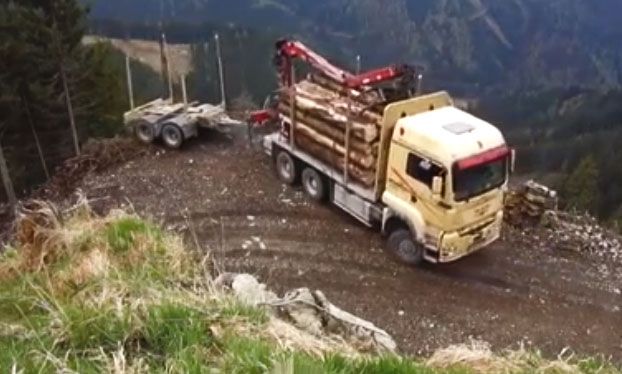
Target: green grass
[153, 311]
[170, 329]
[231, 308]
[122, 234]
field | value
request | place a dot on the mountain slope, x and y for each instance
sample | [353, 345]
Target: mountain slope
[479, 43]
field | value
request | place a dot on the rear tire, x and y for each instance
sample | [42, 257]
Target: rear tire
[314, 184]
[172, 136]
[286, 167]
[404, 247]
[144, 132]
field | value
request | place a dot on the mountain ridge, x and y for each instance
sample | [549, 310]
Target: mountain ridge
[478, 45]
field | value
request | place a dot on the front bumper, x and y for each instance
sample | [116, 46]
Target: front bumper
[458, 244]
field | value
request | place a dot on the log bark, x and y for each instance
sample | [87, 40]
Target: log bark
[363, 141]
[329, 113]
[365, 98]
[335, 102]
[364, 177]
[366, 162]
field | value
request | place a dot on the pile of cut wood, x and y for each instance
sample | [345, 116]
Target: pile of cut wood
[530, 202]
[332, 121]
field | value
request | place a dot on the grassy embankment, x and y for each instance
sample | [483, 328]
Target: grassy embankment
[86, 294]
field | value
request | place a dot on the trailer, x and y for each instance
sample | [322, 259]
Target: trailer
[175, 123]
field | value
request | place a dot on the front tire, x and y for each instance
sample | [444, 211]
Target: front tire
[286, 167]
[172, 136]
[404, 247]
[314, 184]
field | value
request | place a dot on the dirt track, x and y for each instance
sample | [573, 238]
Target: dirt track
[509, 293]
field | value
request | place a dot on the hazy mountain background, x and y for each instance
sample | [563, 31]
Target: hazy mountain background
[468, 45]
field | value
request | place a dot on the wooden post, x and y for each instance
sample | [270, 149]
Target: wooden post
[221, 73]
[292, 131]
[130, 87]
[6, 180]
[347, 140]
[168, 69]
[183, 91]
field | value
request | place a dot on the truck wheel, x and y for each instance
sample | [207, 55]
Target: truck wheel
[402, 244]
[172, 136]
[144, 132]
[313, 184]
[286, 167]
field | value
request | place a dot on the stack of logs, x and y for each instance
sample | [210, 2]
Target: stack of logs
[331, 119]
[530, 202]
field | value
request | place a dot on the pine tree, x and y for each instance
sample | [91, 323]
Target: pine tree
[581, 187]
[54, 91]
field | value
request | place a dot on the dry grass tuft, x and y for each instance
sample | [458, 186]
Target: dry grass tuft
[478, 357]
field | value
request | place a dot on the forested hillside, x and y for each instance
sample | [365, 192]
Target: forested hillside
[55, 92]
[469, 45]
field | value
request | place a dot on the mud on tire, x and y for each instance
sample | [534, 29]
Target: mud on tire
[314, 184]
[172, 136]
[402, 245]
[286, 167]
[144, 132]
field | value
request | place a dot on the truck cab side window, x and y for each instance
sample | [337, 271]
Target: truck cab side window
[422, 170]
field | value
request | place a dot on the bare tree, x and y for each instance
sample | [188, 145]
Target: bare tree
[6, 180]
[36, 137]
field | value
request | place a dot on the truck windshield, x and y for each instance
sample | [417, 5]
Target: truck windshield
[479, 179]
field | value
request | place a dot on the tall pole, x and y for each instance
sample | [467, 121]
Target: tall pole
[130, 87]
[221, 73]
[184, 93]
[168, 69]
[163, 67]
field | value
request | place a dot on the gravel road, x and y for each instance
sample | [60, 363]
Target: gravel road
[514, 291]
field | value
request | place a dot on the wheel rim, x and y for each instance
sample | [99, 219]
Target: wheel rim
[285, 167]
[144, 133]
[407, 249]
[172, 136]
[312, 184]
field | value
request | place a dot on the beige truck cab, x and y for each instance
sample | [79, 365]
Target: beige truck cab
[440, 179]
[445, 179]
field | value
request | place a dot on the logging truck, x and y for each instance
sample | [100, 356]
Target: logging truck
[436, 182]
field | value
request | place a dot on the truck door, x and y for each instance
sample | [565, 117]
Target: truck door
[420, 172]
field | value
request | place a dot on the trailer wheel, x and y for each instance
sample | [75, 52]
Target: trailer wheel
[172, 136]
[286, 167]
[404, 247]
[313, 183]
[144, 132]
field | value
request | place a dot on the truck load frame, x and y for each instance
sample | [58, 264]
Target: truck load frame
[175, 123]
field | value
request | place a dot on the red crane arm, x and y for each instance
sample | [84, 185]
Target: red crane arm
[287, 50]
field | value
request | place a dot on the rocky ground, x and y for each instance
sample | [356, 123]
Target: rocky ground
[226, 199]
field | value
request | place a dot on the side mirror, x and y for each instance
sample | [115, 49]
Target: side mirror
[437, 187]
[512, 161]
